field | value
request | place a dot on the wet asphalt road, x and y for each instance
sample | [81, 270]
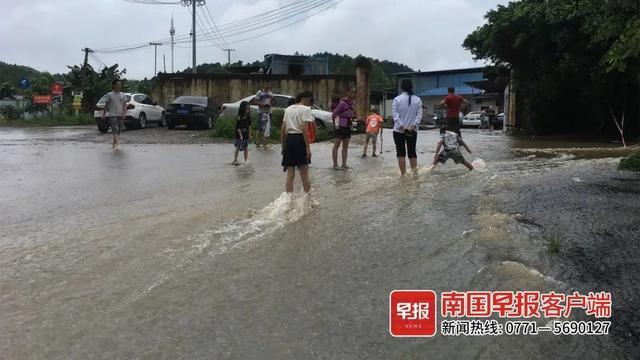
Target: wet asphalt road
[165, 250]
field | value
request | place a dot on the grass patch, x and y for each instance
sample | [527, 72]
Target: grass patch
[631, 162]
[322, 134]
[554, 240]
[55, 119]
[223, 128]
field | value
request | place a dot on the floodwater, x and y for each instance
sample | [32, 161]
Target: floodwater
[169, 252]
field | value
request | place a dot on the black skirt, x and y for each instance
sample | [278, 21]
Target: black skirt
[342, 132]
[294, 152]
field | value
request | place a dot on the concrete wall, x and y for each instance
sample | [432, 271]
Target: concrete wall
[231, 88]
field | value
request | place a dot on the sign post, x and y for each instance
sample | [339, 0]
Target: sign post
[41, 100]
[56, 89]
[77, 101]
[24, 82]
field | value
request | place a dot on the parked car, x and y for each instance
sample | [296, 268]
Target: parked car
[472, 119]
[141, 110]
[192, 111]
[428, 120]
[323, 118]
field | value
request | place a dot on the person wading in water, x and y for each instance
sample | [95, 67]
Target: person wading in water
[407, 114]
[453, 102]
[345, 112]
[294, 137]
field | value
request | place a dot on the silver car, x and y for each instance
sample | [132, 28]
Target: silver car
[323, 118]
[472, 119]
[141, 110]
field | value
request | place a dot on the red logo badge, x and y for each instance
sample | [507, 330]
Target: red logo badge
[412, 313]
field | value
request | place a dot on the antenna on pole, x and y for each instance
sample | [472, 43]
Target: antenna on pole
[172, 32]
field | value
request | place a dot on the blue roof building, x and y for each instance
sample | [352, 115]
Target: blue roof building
[432, 86]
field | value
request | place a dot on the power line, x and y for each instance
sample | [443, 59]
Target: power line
[122, 49]
[97, 59]
[263, 27]
[153, 2]
[235, 29]
[206, 34]
[293, 4]
[293, 9]
[215, 26]
[251, 25]
[289, 24]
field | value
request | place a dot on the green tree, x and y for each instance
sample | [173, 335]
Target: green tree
[571, 60]
[95, 85]
[6, 90]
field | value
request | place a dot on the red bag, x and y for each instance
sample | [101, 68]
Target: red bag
[311, 131]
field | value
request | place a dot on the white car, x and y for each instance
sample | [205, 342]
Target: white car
[323, 118]
[141, 110]
[472, 119]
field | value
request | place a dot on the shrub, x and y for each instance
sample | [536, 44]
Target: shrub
[9, 112]
[224, 128]
[322, 134]
[277, 117]
[631, 162]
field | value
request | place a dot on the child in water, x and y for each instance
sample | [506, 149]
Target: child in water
[242, 132]
[450, 145]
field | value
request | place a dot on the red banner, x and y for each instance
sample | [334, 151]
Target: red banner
[41, 100]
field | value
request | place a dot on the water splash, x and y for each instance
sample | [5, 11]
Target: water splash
[286, 209]
[479, 165]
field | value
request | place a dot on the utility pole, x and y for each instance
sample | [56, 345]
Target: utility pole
[84, 67]
[193, 4]
[155, 56]
[228, 55]
[172, 32]
[164, 60]
[193, 46]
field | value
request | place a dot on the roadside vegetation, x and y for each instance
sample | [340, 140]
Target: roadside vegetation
[554, 241]
[631, 162]
[547, 47]
[10, 116]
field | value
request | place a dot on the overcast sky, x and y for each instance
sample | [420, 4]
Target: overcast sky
[424, 34]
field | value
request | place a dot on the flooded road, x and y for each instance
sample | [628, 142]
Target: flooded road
[167, 251]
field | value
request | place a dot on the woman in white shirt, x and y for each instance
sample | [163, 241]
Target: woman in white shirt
[407, 114]
[294, 137]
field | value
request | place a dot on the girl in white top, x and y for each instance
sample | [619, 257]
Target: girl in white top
[294, 137]
[407, 114]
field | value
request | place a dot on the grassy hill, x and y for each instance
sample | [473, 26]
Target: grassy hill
[11, 73]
